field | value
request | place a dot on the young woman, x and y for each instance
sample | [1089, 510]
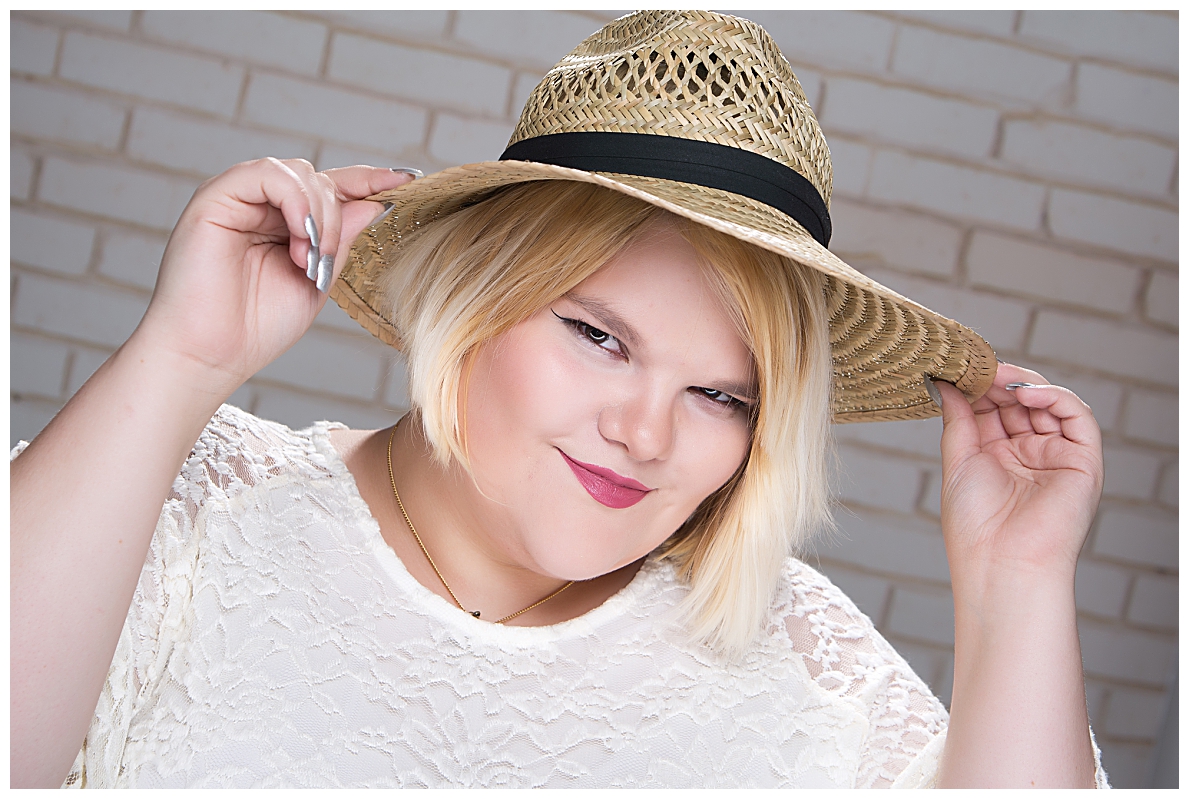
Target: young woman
[570, 564]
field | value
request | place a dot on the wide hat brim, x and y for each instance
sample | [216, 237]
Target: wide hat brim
[883, 345]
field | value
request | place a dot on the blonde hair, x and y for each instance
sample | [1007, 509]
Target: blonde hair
[475, 274]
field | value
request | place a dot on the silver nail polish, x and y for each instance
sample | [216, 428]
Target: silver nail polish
[408, 170]
[934, 394]
[312, 263]
[1014, 386]
[312, 231]
[325, 273]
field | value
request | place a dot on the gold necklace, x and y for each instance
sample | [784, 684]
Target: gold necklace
[425, 551]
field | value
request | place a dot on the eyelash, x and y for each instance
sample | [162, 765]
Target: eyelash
[589, 333]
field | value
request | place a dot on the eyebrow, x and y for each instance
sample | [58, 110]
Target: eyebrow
[607, 316]
[623, 330]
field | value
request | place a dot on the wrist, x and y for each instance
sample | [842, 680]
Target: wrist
[174, 372]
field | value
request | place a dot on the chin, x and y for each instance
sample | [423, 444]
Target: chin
[586, 551]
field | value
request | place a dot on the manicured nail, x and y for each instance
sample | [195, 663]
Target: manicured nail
[1000, 360]
[312, 231]
[325, 271]
[934, 394]
[1014, 386]
[408, 170]
[312, 263]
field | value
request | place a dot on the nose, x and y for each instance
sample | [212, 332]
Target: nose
[644, 424]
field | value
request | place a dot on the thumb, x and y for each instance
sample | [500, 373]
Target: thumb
[960, 438]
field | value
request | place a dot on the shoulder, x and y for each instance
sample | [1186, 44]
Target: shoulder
[237, 450]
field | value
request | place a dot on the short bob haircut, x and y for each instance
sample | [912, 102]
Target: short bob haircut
[473, 275]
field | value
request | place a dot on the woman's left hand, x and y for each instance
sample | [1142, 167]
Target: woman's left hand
[1021, 477]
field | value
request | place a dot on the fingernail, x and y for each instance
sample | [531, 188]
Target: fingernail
[325, 271]
[312, 263]
[934, 394]
[312, 231]
[408, 170]
[1014, 386]
[1000, 360]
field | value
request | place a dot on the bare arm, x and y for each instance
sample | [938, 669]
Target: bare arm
[1023, 473]
[232, 295]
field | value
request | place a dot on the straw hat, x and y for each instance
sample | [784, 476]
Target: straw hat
[700, 114]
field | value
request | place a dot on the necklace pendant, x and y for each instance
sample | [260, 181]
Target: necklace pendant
[475, 613]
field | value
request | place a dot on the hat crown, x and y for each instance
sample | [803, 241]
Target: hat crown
[688, 74]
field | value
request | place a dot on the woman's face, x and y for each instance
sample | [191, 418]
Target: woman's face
[598, 425]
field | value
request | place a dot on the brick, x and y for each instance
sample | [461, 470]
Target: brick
[919, 436]
[1101, 588]
[852, 165]
[420, 76]
[410, 25]
[829, 38]
[332, 156]
[1127, 100]
[926, 662]
[332, 317]
[953, 190]
[999, 23]
[886, 547]
[33, 48]
[1161, 300]
[1030, 269]
[979, 67]
[243, 397]
[333, 364]
[1000, 321]
[1130, 473]
[299, 411]
[465, 141]
[1129, 765]
[1137, 537]
[924, 616]
[37, 366]
[1125, 654]
[869, 593]
[900, 239]
[84, 364]
[44, 112]
[151, 72]
[136, 196]
[1154, 601]
[535, 37]
[1146, 40]
[31, 237]
[204, 147]
[396, 386]
[931, 499]
[1095, 700]
[1134, 713]
[522, 87]
[80, 311]
[131, 258]
[1105, 397]
[20, 174]
[1170, 485]
[116, 20]
[1091, 157]
[1152, 416]
[299, 107]
[943, 689]
[277, 40]
[811, 85]
[876, 481]
[913, 119]
[26, 418]
[1106, 346]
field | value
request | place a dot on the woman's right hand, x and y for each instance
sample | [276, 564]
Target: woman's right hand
[232, 293]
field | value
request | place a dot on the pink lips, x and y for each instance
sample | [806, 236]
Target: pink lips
[607, 487]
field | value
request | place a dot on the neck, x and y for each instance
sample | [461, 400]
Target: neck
[472, 540]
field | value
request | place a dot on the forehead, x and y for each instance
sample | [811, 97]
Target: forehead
[658, 288]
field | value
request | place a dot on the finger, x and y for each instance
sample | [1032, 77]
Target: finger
[331, 224]
[1006, 374]
[1074, 418]
[357, 182]
[961, 436]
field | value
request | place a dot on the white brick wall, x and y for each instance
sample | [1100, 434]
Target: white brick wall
[1014, 170]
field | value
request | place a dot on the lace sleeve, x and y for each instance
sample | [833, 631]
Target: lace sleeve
[235, 451]
[846, 656]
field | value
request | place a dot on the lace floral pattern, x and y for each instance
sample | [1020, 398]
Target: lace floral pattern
[275, 640]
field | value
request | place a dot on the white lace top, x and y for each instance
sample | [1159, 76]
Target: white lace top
[275, 640]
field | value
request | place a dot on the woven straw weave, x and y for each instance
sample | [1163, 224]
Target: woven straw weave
[708, 77]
